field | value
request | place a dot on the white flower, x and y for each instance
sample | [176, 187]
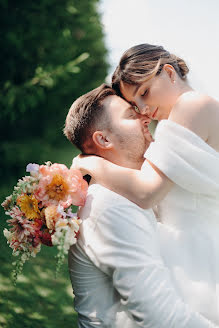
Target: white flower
[35, 250]
[70, 238]
[55, 240]
[7, 234]
[24, 257]
[74, 225]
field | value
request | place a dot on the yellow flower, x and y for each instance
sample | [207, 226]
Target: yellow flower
[29, 206]
[58, 188]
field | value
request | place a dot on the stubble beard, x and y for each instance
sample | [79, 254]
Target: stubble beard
[132, 149]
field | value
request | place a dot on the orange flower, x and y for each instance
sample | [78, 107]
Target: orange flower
[51, 215]
[58, 188]
[29, 206]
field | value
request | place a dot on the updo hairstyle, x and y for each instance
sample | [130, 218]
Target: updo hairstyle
[144, 61]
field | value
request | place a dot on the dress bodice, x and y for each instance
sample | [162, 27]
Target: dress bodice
[188, 210]
[189, 232]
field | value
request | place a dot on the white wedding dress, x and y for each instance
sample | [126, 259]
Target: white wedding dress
[189, 232]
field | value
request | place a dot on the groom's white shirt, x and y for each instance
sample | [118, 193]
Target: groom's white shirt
[116, 266]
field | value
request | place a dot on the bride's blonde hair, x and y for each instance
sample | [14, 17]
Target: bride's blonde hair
[142, 62]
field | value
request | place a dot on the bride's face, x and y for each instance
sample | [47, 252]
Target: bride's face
[155, 97]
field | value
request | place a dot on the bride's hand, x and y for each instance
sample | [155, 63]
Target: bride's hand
[88, 164]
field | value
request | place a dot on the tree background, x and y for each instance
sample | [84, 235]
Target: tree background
[51, 52]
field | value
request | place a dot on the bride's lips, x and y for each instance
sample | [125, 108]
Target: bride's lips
[155, 112]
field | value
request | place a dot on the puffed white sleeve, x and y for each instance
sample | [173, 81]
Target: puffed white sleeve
[125, 246]
[185, 158]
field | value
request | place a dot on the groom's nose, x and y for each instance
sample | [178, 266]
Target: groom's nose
[145, 120]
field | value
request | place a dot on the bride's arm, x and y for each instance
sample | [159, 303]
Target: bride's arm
[145, 187]
[187, 164]
[149, 186]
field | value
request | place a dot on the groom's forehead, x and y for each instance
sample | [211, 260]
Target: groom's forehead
[116, 105]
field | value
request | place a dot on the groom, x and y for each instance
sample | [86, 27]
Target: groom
[117, 274]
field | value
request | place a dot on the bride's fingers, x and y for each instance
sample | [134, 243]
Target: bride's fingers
[87, 164]
[82, 163]
[75, 163]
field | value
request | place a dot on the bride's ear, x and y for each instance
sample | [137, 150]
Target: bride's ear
[169, 69]
[101, 140]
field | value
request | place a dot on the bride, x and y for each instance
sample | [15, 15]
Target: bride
[184, 182]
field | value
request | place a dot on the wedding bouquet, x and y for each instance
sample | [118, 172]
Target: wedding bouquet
[40, 208]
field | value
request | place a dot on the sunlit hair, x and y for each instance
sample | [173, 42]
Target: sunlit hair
[142, 62]
[86, 115]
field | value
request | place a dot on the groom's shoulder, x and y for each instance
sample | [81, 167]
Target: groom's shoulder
[104, 210]
[102, 197]
[101, 200]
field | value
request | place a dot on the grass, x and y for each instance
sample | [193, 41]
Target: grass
[38, 300]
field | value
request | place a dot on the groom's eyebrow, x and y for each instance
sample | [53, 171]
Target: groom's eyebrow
[131, 107]
[128, 110]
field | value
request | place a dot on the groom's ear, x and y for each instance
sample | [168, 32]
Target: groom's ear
[101, 140]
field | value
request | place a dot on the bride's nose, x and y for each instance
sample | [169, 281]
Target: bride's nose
[143, 108]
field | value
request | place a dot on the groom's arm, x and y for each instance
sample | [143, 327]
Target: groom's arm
[126, 248]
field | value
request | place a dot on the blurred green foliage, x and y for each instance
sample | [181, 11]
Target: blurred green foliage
[51, 52]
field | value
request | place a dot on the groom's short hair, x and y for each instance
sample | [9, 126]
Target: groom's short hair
[87, 115]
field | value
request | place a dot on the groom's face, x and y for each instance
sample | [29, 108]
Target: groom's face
[129, 130]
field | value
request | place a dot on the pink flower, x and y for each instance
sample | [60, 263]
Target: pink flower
[60, 186]
[7, 203]
[23, 234]
[21, 227]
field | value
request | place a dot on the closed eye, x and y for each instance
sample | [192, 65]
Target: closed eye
[145, 93]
